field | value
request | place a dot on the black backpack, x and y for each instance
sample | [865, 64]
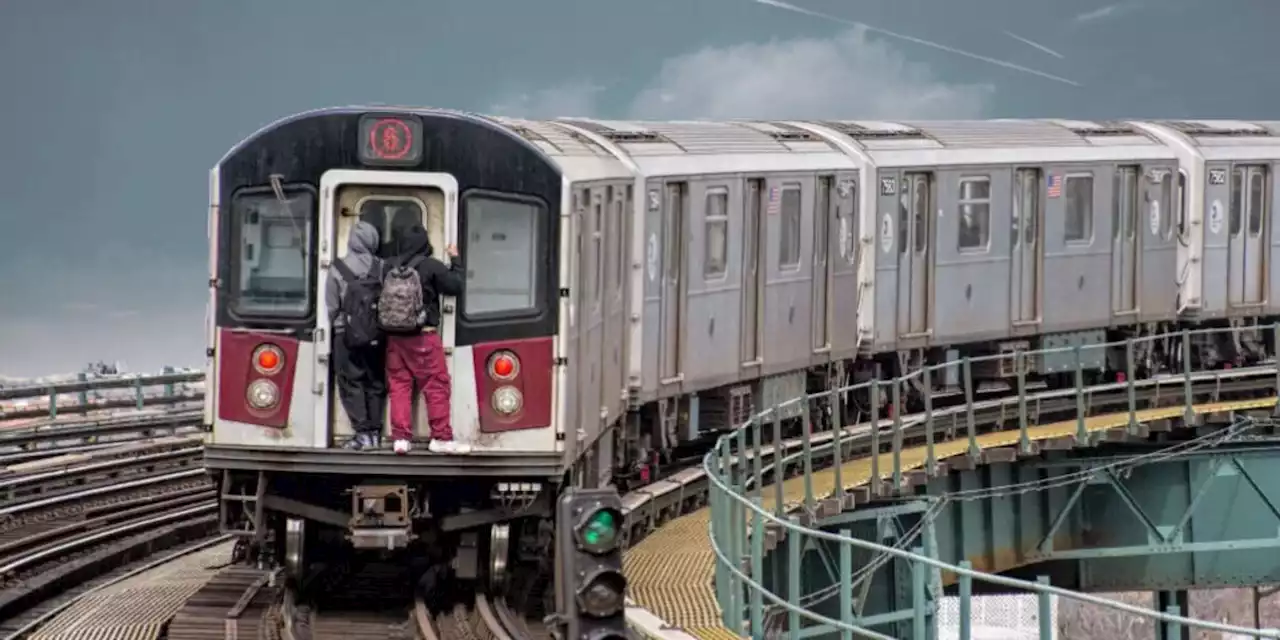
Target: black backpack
[359, 305]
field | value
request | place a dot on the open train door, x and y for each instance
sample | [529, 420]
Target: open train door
[389, 200]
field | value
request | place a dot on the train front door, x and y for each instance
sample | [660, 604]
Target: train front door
[1126, 239]
[1024, 275]
[1246, 247]
[390, 201]
[915, 215]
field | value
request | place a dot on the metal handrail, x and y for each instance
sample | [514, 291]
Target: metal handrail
[732, 508]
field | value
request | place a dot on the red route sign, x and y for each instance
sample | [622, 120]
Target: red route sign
[390, 139]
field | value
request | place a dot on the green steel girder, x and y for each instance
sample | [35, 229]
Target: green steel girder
[1117, 517]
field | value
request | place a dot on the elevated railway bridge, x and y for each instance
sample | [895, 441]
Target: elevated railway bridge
[888, 526]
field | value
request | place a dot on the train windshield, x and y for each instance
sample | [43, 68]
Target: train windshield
[271, 253]
[500, 254]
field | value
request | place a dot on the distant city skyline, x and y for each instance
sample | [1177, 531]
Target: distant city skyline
[116, 111]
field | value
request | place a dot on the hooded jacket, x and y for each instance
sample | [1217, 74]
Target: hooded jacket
[361, 259]
[437, 278]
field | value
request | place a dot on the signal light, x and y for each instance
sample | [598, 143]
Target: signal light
[262, 394]
[589, 552]
[503, 365]
[507, 400]
[268, 359]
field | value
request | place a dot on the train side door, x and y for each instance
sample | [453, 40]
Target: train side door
[1025, 242]
[673, 215]
[1248, 221]
[1125, 240]
[824, 210]
[389, 201]
[915, 213]
[753, 261]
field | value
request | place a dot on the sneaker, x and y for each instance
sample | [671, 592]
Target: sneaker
[362, 442]
[448, 446]
[402, 447]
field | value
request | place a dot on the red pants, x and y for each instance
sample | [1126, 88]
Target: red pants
[418, 359]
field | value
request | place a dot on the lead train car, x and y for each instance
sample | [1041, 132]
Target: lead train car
[653, 282]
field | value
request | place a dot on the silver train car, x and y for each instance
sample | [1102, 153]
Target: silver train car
[664, 279]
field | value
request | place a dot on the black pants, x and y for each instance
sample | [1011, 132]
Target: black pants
[362, 383]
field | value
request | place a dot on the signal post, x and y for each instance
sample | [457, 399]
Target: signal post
[591, 590]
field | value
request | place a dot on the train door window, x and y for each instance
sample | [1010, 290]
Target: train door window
[1164, 206]
[1182, 203]
[904, 217]
[272, 236]
[390, 216]
[501, 253]
[620, 209]
[1257, 191]
[1079, 205]
[789, 238]
[597, 240]
[975, 214]
[1237, 200]
[715, 257]
[920, 210]
[848, 225]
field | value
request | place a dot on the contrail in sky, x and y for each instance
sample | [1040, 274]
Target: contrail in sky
[921, 41]
[1037, 45]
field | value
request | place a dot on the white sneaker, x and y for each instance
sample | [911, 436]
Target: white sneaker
[448, 446]
[402, 447]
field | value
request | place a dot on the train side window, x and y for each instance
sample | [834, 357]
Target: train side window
[789, 239]
[1182, 203]
[715, 234]
[975, 213]
[1079, 205]
[272, 253]
[501, 253]
[1237, 201]
[1257, 201]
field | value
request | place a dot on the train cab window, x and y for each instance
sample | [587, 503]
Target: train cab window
[597, 246]
[1163, 207]
[789, 238]
[500, 251]
[848, 226]
[389, 216]
[975, 213]
[1079, 206]
[1182, 203]
[1257, 200]
[622, 213]
[271, 253]
[715, 241]
[1237, 200]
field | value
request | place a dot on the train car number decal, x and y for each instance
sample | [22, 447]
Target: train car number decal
[888, 186]
[886, 233]
[1215, 217]
[1217, 176]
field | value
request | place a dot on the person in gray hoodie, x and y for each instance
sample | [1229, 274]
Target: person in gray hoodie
[360, 370]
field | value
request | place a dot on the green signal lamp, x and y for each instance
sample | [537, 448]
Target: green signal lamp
[597, 532]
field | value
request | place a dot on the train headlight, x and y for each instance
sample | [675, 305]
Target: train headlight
[507, 400]
[263, 394]
[268, 359]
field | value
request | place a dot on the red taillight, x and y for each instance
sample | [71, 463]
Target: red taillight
[268, 359]
[503, 365]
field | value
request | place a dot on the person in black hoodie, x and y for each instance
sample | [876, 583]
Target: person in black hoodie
[416, 357]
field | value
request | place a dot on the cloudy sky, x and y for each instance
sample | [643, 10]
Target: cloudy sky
[113, 111]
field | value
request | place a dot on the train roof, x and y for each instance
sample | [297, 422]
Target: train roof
[1238, 140]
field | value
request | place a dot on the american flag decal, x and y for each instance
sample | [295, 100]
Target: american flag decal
[775, 201]
[1055, 186]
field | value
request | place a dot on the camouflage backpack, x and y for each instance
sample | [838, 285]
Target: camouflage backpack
[400, 306]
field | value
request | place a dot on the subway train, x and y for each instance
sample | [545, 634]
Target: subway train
[634, 289]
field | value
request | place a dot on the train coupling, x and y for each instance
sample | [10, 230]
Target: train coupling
[380, 517]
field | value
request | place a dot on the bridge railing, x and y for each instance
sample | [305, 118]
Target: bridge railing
[743, 509]
[85, 395]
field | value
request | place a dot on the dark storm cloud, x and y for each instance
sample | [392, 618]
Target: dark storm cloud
[113, 112]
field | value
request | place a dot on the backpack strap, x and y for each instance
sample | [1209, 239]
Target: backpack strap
[342, 268]
[415, 261]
